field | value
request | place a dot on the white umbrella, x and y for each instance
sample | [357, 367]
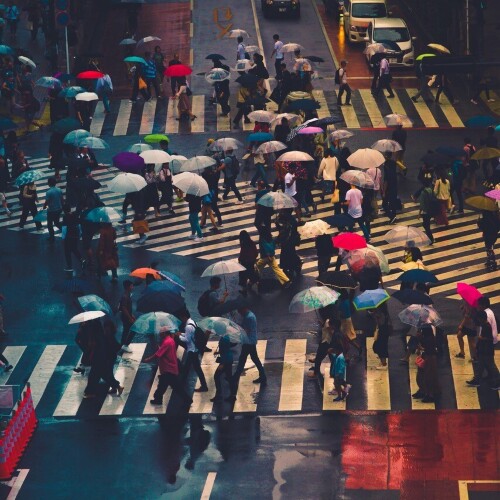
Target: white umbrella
[374, 48]
[86, 316]
[76, 136]
[397, 119]
[127, 183]
[261, 116]
[340, 134]
[358, 178]
[295, 156]
[127, 41]
[191, 183]
[93, 143]
[366, 158]
[87, 96]
[237, 32]
[155, 156]
[384, 145]
[27, 61]
[313, 228]
[402, 234]
[197, 163]
[217, 75]
[222, 267]
[139, 147]
[147, 39]
[176, 162]
[225, 143]
[277, 201]
[291, 47]
[289, 116]
[243, 65]
[252, 48]
[271, 147]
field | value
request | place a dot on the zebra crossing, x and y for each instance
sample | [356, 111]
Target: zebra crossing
[161, 116]
[58, 391]
[458, 253]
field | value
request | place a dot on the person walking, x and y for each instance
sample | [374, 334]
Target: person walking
[424, 90]
[428, 207]
[427, 371]
[471, 167]
[111, 348]
[29, 198]
[327, 327]
[268, 257]
[54, 200]
[489, 224]
[150, 75]
[324, 251]
[138, 84]
[442, 190]
[230, 179]
[467, 328]
[381, 335]
[194, 204]
[71, 234]
[458, 175]
[107, 252]
[164, 182]
[338, 372]
[328, 173]
[444, 87]
[278, 55]
[127, 316]
[399, 135]
[353, 201]
[168, 366]
[184, 104]
[174, 81]
[389, 189]
[104, 89]
[259, 162]
[12, 17]
[385, 78]
[225, 368]
[247, 258]
[241, 51]
[343, 85]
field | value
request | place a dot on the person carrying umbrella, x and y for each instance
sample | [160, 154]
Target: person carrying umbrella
[138, 84]
[164, 182]
[150, 75]
[328, 173]
[128, 319]
[230, 177]
[194, 204]
[247, 258]
[428, 207]
[54, 201]
[489, 224]
[288, 239]
[107, 252]
[427, 369]
[29, 198]
[381, 335]
[343, 85]
[467, 328]
[385, 78]
[71, 233]
[104, 89]
[222, 91]
[353, 201]
[389, 189]
[225, 357]
[184, 104]
[244, 94]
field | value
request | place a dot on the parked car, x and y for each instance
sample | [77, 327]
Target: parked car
[357, 16]
[334, 8]
[281, 8]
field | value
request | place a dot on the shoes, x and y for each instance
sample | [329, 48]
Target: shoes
[192, 236]
[473, 101]
[126, 348]
[112, 391]
[247, 120]
[393, 220]
[347, 390]
[390, 96]
[155, 402]
[198, 239]
[460, 355]
[307, 215]
[452, 209]
[338, 398]
[8, 368]
[201, 389]
[473, 383]
[261, 381]
[315, 208]
[240, 202]
[491, 100]
[381, 367]
[417, 395]
[288, 284]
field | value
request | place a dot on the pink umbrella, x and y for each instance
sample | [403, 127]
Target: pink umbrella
[311, 130]
[494, 194]
[469, 293]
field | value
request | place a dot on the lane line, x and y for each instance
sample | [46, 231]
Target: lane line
[13, 355]
[123, 118]
[201, 400]
[323, 111]
[397, 107]
[97, 119]
[148, 117]
[209, 484]
[325, 35]
[292, 380]
[17, 483]
[198, 109]
[71, 399]
[372, 108]
[377, 381]
[223, 122]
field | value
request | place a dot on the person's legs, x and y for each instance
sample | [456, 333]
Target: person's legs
[426, 223]
[195, 225]
[245, 351]
[278, 272]
[348, 94]
[364, 228]
[321, 353]
[232, 183]
[323, 263]
[162, 387]
[51, 216]
[195, 361]
[258, 364]
[24, 215]
[340, 94]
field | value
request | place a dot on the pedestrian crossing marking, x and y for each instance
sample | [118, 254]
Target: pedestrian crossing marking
[148, 117]
[125, 374]
[123, 118]
[198, 109]
[350, 117]
[372, 108]
[44, 370]
[397, 107]
[247, 127]
[448, 110]
[292, 381]
[97, 119]
[201, 400]
[416, 404]
[423, 111]
[328, 403]
[323, 111]
[172, 125]
[248, 392]
[377, 381]
[72, 397]
[223, 122]
[13, 355]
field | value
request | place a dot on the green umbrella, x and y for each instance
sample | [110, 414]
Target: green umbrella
[315, 297]
[28, 177]
[66, 125]
[155, 138]
[71, 91]
[421, 56]
[135, 59]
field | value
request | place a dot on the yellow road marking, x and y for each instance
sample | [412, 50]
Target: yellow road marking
[223, 122]
[322, 112]
[198, 109]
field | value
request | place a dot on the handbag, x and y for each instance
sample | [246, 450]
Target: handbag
[335, 196]
[141, 84]
[140, 226]
[420, 361]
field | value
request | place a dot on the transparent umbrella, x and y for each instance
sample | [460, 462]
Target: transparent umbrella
[190, 183]
[384, 145]
[223, 144]
[402, 234]
[197, 163]
[150, 323]
[103, 214]
[139, 148]
[94, 143]
[277, 200]
[223, 327]
[76, 136]
[340, 134]
[419, 315]
[315, 297]
[271, 147]
[95, 303]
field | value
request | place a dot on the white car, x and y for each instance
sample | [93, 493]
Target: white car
[358, 14]
[394, 32]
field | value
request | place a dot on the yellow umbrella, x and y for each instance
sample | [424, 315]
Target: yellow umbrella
[439, 48]
[482, 203]
[412, 265]
[486, 154]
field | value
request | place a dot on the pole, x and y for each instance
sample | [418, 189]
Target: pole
[467, 33]
[67, 48]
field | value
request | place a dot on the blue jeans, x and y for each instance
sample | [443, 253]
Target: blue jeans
[195, 224]
[362, 224]
[259, 172]
[105, 101]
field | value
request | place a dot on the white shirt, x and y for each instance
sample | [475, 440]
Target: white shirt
[292, 189]
[493, 323]
[354, 197]
[384, 67]
[188, 336]
[343, 76]
[240, 51]
[277, 47]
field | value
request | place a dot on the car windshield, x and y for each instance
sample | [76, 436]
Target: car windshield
[369, 10]
[391, 35]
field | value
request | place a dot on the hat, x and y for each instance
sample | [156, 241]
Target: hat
[210, 141]
[228, 161]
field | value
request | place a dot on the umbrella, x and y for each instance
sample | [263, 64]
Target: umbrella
[48, 82]
[191, 183]
[237, 32]
[469, 293]
[127, 41]
[315, 297]
[358, 178]
[6, 123]
[328, 120]
[261, 116]
[147, 39]
[66, 125]
[340, 134]
[225, 143]
[73, 285]
[63, 77]
[408, 296]
[369, 256]
[127, 183]
[423, 56]
[139, 147]
[176, 162]
[419, 315]
[135, 59]
[370, 299]
[374, 48]
[271, 147]
[310, 130]
[41, 216]
[486, 154]
[245, 80]
[173, 278]
[313, 228]
[407, 266]
[277, 200]
[402, 234]
[151, 322]
[450, 151]
[289, 116]
[94, 143]
[197, 163]
[418, 276]
[27, 61]
[166, 301]
[396, 119]
[103, 214]
[160, 286]
[434, 158]
[260, 137]
[384, 145]
[156, 138]
[438, 48]
[291, 47]
[90, 75]
[142, 272]
[155, 156]
[349, 241]
[493, 194]
[302, 64]
[295, 156]
[216, 57]
[76, 136]
[85, 316]
[28, 177]
[5, 50]
[304, 105]
[217, 75]
[480, 121]
[366, 158]
[482, 203]
[71, 92]
[223, 327]
[95, 303]
[178, 70]
[252, 48]
[340, 220]
[87, 96]
[337, 279]
[128, 162]
[222, 267]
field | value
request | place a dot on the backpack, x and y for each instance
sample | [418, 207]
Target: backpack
[235, 166]
[204, 304]
[200, 338]
[337, 77]
[473, 164]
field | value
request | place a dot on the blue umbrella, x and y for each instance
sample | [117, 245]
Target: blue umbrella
[371, 299]
[481, 121]
[71, 91]
[260, 137]
[418, 276]
[5, 50]
[135, 59]
[95, 303]
[166, 301]
[160, 286]
[48, 81]
[28, 177]
[450, 151]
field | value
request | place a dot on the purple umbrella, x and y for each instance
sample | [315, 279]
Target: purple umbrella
[128, 162]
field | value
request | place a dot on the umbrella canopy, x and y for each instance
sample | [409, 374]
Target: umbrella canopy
[384, 145]
[366, 158]
[358, 178]
[486, 154]
[160, 286]
[340, 134]
[340, 220]
[310, 130]
[165, 301]
[48, 82]
[260, 137]
[396, 119]
[135, 59]
[337, 279]
[7, 124]
[76, 136]
[315, 297]
[156, 138]
[103, 214]
[127, 183]
[238, 32]
[155, 156]
[480, 121]
[87, 96]
[128, 162]
[71, 92]
[271, 147]
[439, 48]
[5, 50]
[349, 241]
[143, 272]
[191, 183]
[469, 293]
[127, 41]
[419, 315]
[252, 48]
[408, 296]
[66, 125]
[295, 156]
[402, 234]
[303, 105]
[150, 323]
[148, 39]
[261, 116]
[90, 75]
[277, 200]
[94, 143]
[289, 116]
[223, 144]
[482, 203]
[418, 276]
[86, 316]
[222, 267]
[173, 278]
[370, 299]
[27, 61]
[423, 56]
[450, 151]
[177, 70]
[217, 75]
[366, 257]
[329, 120]
[224, 328]
[95, 303]
[197, 163]
[216, 57]
[494, 194]
[248, 80]
[176, 163]
[313, 228]
[291, 47]
[28, 177]
[139, 147]
[407, 266]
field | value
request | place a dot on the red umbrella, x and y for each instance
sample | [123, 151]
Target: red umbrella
[349, 241]
[178, 70]
[469, 293]
[90, 75]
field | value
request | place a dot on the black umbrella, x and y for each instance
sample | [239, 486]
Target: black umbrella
[304, 105]
[247, 80]
[328, 120]
[166, 301]
[340, 220]
[433, 158]
[216, 57]
[337, 279]
[412, 297]
[314, 59]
